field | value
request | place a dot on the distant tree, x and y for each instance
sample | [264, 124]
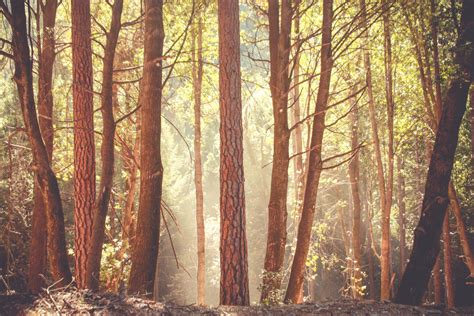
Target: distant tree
[234, 284]
[145, 248]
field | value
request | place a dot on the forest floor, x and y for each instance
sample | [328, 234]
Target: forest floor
[88, 303]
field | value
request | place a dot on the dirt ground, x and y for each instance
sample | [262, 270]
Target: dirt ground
[73, 302]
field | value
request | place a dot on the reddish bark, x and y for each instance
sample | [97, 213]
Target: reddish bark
[107, 150]
[145, 252]
[44, 175]
[234, 289]
[401, 215]
[38, 243]
[295, 283]
[448, 271]
[280, 32]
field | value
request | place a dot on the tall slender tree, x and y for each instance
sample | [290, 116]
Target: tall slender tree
[44, 175]
[84, 147]
[197, 73]
[234, 287]
[107, 149]
[279, 21]
[295, 283]
[145, 250]
[47, 54]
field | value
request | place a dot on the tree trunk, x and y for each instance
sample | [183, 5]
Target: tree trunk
[357, 291]
[84, 147]
[386, 210]
[142, 273]
[448, 273]
[38, 243]
[401, 215]
[463, 236]
[197, 73]
[427, 234]
[234, 286]
[280, 46]
[44, 175]
[437, 285]
[107, 150]
[295, 283]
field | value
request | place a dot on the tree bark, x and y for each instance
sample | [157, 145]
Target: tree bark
[280, 33]
[197, 74]
[44, 175]
[38, 243]
[107, 150]
[234, 286]
[426, 244]
[84, 146]
[437, 285]
[144, 256]
[295, 283]
[448, 272]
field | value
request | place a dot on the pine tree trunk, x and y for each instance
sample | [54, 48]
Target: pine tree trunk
[197, 73]
[84, 147]
[234, 284]
[145, 252]
[107, 150]
[295, 283]
[280, 32]
[38, 243]
[44, 175]
[427, 234]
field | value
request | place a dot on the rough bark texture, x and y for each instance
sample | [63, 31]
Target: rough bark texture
[197, 73]
[280, 32]
[357, 291]
[38, 244]
[295, 283]
[144, 255]
[107, 150]
[448, 271]
[234, 287]
[426, 244]
[44, 175]
[84, 147]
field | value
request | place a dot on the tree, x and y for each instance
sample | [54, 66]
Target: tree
[427, 234]
[44, 175]
[197, 73]
[234, 288]
[107, 149]
[84, 147]
[280, 32]
[38, 245]
[295, 283]
[145, 251]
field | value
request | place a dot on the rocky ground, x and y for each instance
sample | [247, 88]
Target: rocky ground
[72, 302]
